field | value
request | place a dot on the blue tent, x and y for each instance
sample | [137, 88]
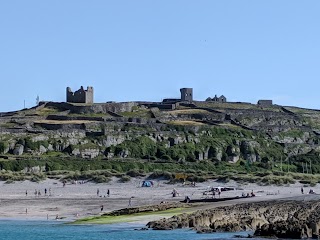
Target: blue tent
[147, 184]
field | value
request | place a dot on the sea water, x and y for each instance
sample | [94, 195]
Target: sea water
[42, 230]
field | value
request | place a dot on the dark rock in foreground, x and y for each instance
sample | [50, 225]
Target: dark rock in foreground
[283, 219]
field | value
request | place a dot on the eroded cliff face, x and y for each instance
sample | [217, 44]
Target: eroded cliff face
[285, 219]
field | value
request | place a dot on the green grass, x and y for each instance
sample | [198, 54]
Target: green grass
[185, 123]
[47, 111]
[292, 133]
[129, 217]
[189, 111]
[8, 125]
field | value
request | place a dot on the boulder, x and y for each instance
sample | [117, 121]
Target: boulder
[18, 149]
[42, 149]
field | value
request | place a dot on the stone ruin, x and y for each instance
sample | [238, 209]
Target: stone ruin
[220, 99]
[80, 96]
[265, 103]
[186, 94]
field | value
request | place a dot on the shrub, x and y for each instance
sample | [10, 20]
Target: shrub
[125, 179]
[100, 179]
[196, 178]
[135, 173]
[224, 179]
[161, 174]
[311, 183]
[3, 147]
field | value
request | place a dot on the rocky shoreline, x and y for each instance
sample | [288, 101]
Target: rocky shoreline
[281, 218]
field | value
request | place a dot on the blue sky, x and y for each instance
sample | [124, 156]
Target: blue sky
[147, 50]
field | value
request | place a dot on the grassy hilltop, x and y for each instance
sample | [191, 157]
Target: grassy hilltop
[201, 140]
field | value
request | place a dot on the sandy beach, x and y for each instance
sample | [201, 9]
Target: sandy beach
[78, 200]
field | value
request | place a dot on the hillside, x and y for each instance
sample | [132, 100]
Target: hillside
[206, 136]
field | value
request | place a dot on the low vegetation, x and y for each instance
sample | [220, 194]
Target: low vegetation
[101, 171]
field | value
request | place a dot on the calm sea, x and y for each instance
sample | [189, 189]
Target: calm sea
[36, 230]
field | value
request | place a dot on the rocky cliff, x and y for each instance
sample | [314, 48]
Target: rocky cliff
[229, 132]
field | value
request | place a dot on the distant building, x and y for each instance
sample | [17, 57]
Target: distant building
[80, 96]
[220, 99]
[186, 94]
[265, 103]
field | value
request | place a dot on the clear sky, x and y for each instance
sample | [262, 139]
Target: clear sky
[147, 50]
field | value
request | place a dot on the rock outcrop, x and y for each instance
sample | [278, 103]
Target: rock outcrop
[283, 219]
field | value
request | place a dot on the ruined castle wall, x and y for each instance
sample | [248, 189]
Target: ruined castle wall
[95, 108]
[89, 95]
[186, 94]
[80, 96]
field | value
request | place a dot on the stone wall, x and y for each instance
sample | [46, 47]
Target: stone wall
[265, 103]
[94, 108]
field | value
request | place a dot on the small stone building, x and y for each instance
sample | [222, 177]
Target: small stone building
[80, 96]
[186, 94]
[265, 103]
[220, 99]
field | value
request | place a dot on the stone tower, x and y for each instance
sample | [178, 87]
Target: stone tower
[80, 96]
[186, 94]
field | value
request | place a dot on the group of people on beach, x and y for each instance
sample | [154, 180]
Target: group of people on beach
[310, 191]
[216, 191]
[37, 193]
[98, 193]
[252, 194]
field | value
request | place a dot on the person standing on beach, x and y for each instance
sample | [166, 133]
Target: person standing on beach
[129, 205]
[301, 190]
[108, 193]
[98, 191]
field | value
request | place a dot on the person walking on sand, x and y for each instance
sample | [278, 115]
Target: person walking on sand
[301, 190]
[98, 191]
[129, 205]
[108, 193]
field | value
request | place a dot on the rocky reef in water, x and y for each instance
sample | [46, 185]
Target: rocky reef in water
[282, 219]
